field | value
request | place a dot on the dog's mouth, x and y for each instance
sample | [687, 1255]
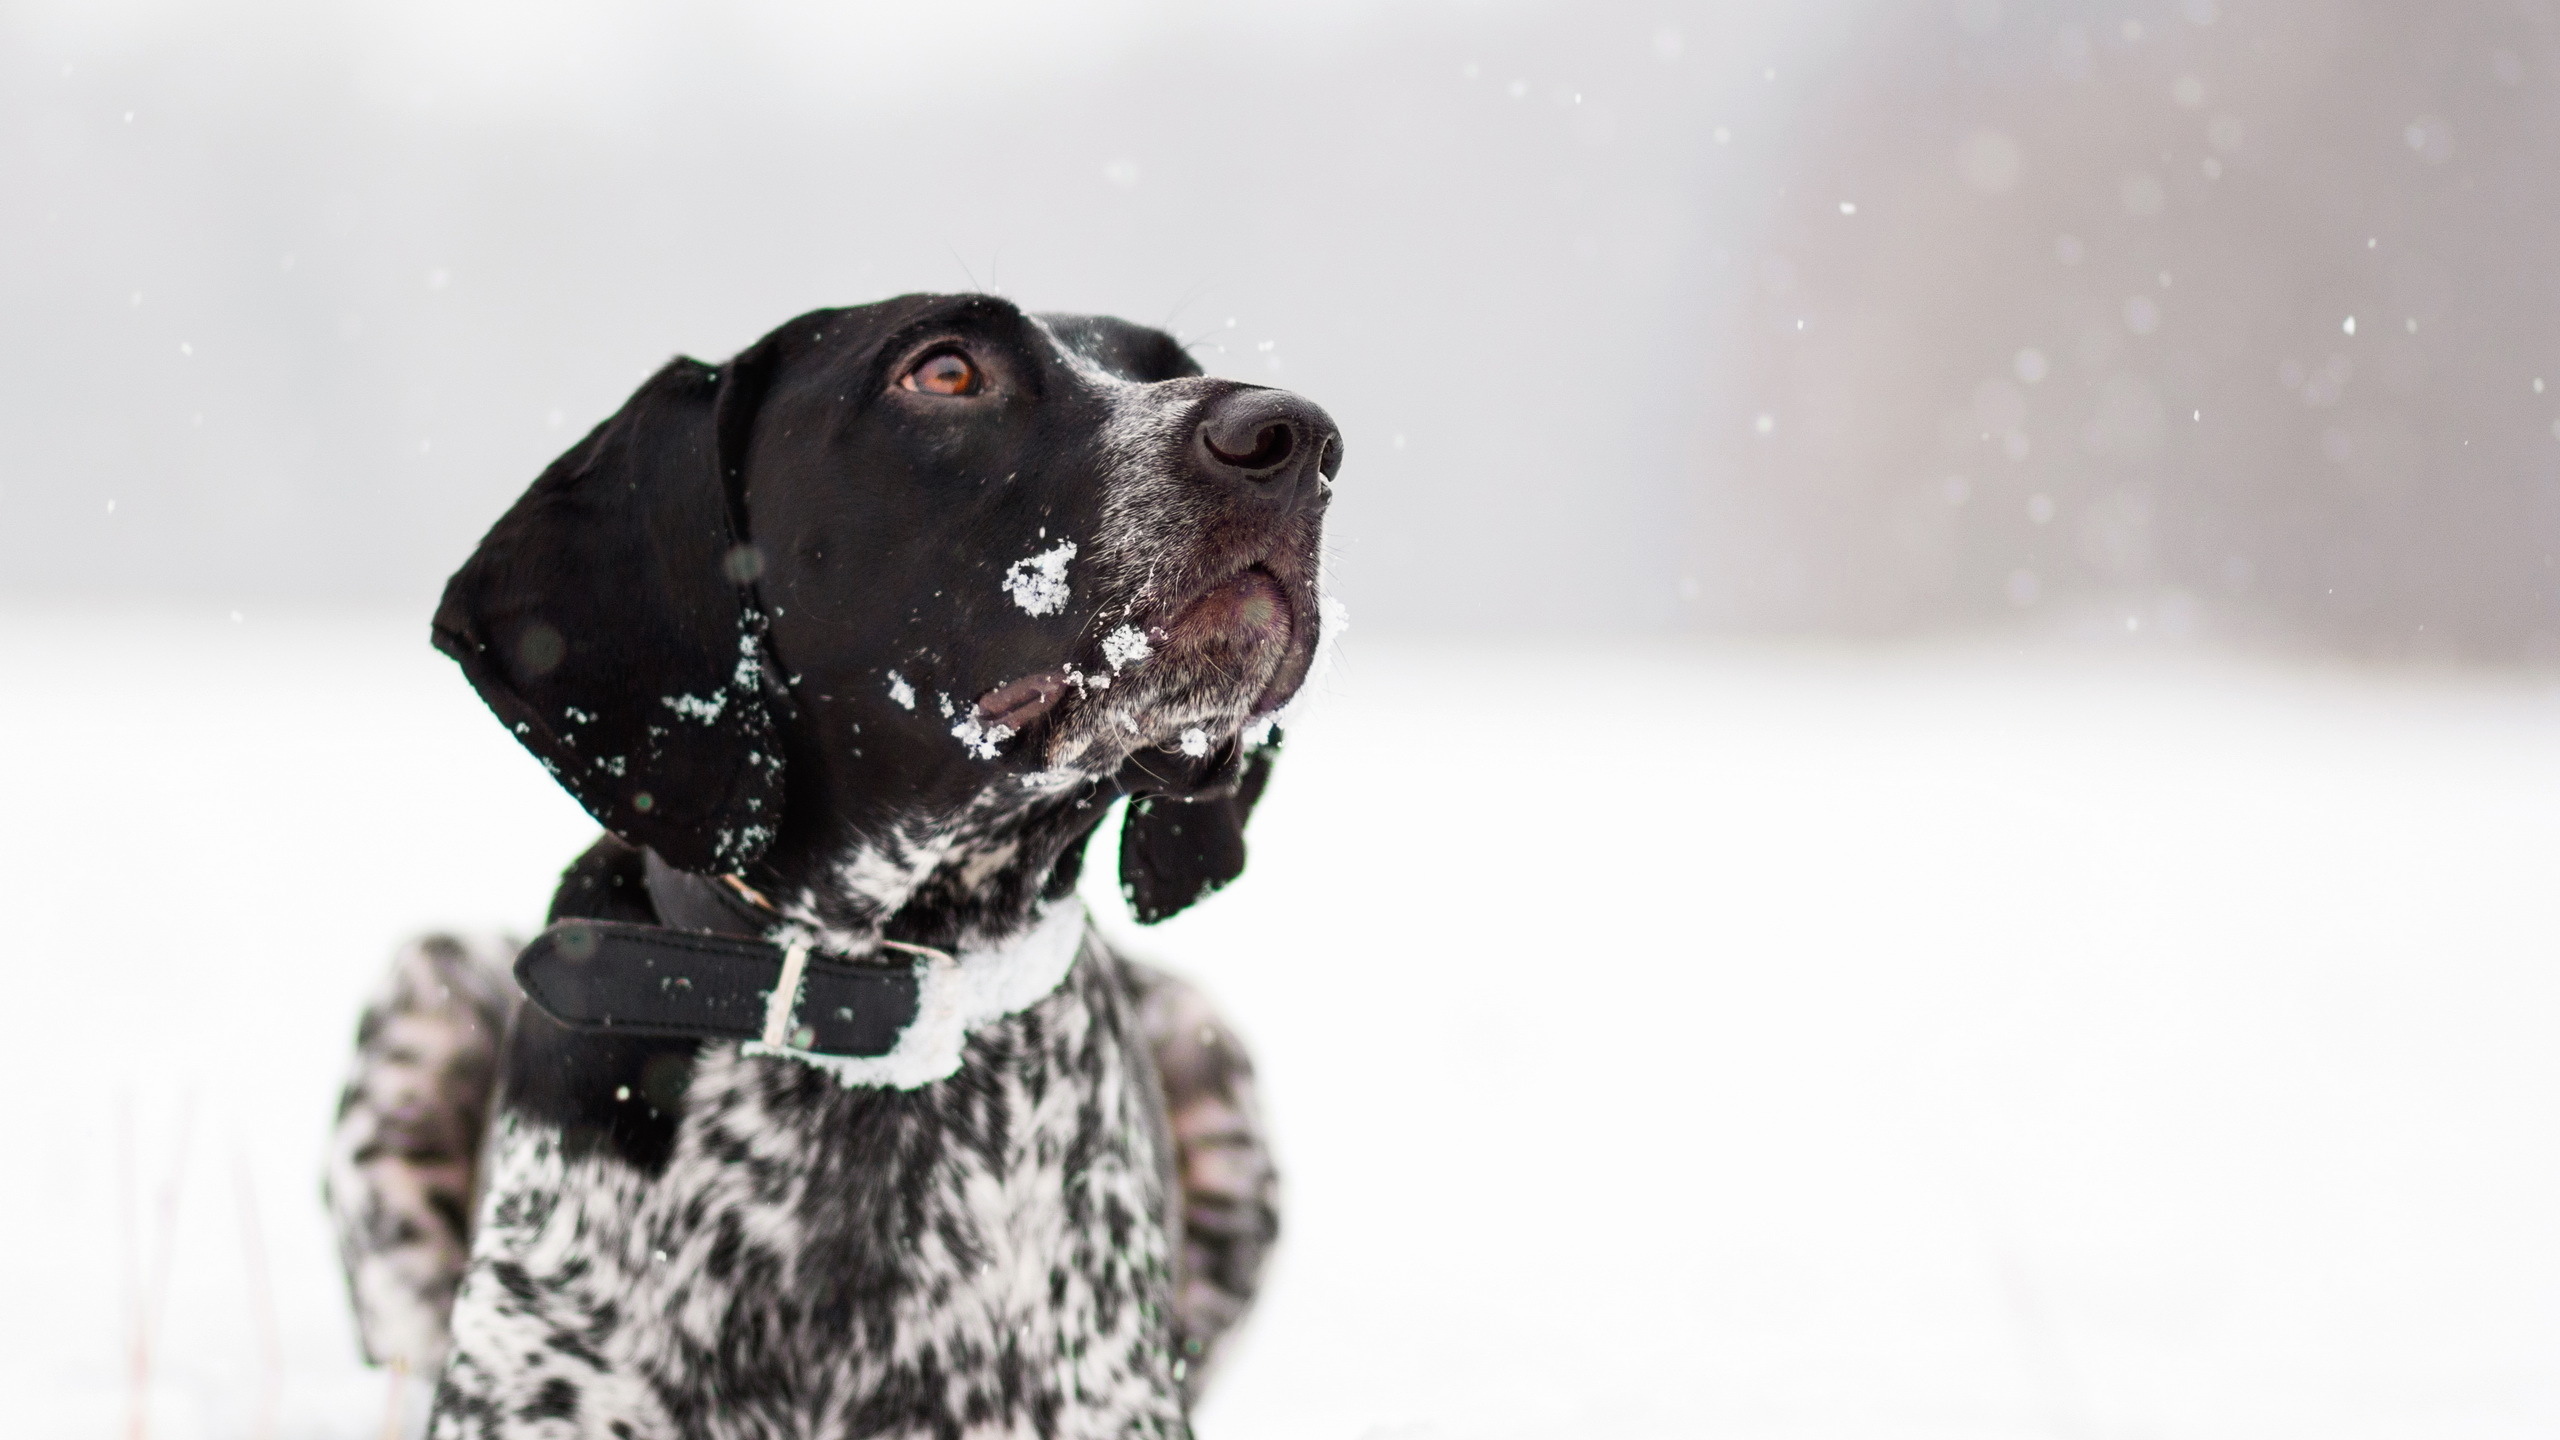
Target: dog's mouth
[1249, 614]
[1240, 645]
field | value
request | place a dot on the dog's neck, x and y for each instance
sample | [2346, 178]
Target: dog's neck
[943, 870]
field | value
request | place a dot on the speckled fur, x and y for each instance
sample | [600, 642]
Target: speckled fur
[823, 1261]
[1229, 1190]
[839, 1257]
[403, 1154]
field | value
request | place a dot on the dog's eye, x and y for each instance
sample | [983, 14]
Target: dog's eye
[946, 373]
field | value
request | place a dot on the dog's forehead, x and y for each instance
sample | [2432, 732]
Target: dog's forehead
[1108, 348]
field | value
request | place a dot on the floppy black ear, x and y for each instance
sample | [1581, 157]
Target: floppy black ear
[609, 619]
[1177, 848]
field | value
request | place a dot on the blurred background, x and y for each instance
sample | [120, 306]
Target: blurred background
[1983, 576]
[1848, 317]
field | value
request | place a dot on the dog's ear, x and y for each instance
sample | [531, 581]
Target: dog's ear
[609, 619]
[1180, 844]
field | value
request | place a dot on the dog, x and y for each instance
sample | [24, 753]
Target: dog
[850, 644]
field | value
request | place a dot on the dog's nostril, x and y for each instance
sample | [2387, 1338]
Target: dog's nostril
[1269, 447]
[1276, 445]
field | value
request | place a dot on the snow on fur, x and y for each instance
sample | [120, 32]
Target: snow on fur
[1125, 647]
[1039, 583]
[978, 738]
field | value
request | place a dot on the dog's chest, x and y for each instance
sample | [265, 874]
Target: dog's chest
[987, 1255]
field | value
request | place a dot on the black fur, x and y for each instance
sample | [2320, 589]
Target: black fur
[613, 1094]
[1176, 848]
[616, 567]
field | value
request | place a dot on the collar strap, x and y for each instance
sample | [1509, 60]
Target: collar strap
[707, 974]
[607, 975]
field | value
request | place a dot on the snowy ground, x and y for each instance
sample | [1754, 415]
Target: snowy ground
[1719, 1042]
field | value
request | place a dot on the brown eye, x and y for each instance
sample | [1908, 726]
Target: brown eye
[948, 373]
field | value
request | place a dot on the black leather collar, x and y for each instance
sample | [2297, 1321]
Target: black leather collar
[707, 975]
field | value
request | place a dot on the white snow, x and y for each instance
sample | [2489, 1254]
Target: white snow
[1125, 647]
[981, 740]
[1941, 1044]
[694, 707]
[1195, 741]
[901, 692]
[1039, 584]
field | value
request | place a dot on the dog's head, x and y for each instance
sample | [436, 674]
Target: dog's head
[910, 580]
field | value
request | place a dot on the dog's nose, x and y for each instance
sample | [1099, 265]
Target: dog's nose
[1272, 443]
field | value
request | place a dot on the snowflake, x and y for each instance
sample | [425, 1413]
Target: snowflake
[694, 707]
[1039, 584]
[978, 739]
[1126, 646]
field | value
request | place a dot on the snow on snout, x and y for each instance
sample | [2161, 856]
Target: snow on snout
[1125, 647]
[1039, 583]
[980, 739]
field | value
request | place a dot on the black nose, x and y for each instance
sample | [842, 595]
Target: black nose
[1273, 443]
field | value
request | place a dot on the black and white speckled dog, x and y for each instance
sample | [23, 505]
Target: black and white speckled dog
[850, 643]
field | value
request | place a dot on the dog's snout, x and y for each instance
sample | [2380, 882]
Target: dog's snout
[1270, 442]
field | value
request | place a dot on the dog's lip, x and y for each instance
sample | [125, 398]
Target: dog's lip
[1018, 704]
[1259, 598]
[1255, 593]
[1253, 598]
[1295, 665]
[1171, 611]
[1297, 620]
